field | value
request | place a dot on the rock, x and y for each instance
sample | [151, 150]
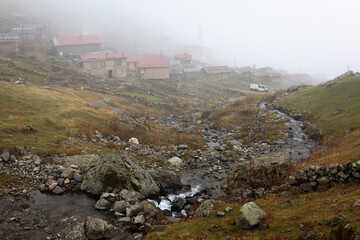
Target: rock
[60, 182]
[129, 195]
[305, 187]
[58, 190]
[260, 192]
[118, 172]
[102, 204]
[178, 204]
[342, 175]
[301, 176]
[67, 173]
[228, 209]
[264, 171]
[94, 105]
[125, 220]
[175, 161]
[182, 147]
[322, 180]
[29, 129]
[134, 140]
[220, 214]
[77, 177]
[107, 100]
[250, 216]
[167, 181]
[311, 236]
[357, 203]
[356, 174]
[95, 228]
[52, 186]
[5, 156]
[120, 206]
[134, 210]
[183, 213]
[204, 209]
[139, 220]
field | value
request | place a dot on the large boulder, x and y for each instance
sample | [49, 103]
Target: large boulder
[250, 216]
[167, 181]
[95, 228]
[264, 171]
[118, 172]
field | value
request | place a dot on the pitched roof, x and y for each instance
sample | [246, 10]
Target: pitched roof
[217, 69]
[150, 61]
[101, 56]
[76, 40]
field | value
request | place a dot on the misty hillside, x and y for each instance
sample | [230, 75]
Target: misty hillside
[159, 119]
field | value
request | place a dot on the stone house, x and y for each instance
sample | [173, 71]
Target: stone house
[105, 65]
[149, 67]
[216, 74]
[75, 45]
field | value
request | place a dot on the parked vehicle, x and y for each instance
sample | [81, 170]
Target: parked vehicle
[258, 87]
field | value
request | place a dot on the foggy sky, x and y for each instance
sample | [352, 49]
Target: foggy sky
[294, 35]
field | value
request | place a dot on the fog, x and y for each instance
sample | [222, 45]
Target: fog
[297, 36]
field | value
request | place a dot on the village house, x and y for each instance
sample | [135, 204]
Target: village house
[21, 17]
[105, 65]
[216, 74]
[183, 58]
[149, 67]
[74, 45]
[9, 43]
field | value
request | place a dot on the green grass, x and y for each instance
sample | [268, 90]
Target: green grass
[323, 102]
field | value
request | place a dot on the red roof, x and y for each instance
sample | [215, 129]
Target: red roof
[101, 56]
[183, 55]
[76, 40]
[150, 61]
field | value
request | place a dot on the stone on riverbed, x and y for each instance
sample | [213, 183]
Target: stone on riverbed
[118, 172]
[95, 228]
[175, 162]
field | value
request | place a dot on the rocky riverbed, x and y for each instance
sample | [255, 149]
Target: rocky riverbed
[133, 197]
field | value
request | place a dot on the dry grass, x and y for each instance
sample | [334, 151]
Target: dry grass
[59, 114]
[339, 150]
[306, 212]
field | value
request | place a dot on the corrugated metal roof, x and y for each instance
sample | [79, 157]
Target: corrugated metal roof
[217, 69]
[76, 40]
[101, 56]
[150, 61]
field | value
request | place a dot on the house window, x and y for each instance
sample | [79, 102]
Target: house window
[118, 62]
[102, 63]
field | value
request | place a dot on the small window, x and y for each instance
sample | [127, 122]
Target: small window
[118, 62]
[102, 63]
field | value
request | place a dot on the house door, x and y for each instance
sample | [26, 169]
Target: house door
[110, 74]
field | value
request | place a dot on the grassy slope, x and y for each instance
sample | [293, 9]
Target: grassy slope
[60, 114]
[307, 212]
[340, 144]
[323, 101]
